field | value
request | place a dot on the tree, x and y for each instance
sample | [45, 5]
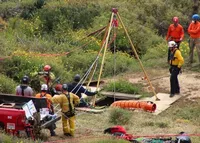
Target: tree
[196, 6]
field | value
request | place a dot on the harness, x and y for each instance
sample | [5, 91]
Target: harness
[23, 88]
[68, 98]
[71, 112]
[172, 57]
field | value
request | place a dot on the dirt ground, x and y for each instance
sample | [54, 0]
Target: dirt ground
[160, 79]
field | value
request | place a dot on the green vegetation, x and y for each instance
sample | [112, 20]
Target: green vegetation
[124, 87]
[7, 85]
[36, 27]
[119, 116]
[5, 138]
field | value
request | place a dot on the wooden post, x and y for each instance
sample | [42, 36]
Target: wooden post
[103, 58]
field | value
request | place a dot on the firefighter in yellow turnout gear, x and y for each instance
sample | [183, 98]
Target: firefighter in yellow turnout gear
[67, 102]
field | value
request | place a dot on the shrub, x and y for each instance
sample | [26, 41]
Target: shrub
[119, 116]
[81, 61]
[124, 87]
[5, 138]
[7, 85]
[20, 65]
[119, 63]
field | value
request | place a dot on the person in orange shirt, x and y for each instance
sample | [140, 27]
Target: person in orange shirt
[175, 33]
[194, 41]
[44, 94]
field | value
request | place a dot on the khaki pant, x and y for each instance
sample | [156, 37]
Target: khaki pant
[68, 125]
[192, 44]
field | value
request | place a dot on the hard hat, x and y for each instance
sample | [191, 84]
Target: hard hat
[195, 17]
[25, 79]
[44, 87]
[175, 19]
[58, 87]
[77, 78]
[64, 87]
[172, 44]
[47, 67]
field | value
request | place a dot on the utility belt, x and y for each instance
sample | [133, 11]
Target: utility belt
[69, 114]
[174, 68]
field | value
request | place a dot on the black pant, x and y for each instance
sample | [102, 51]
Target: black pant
[174, 84]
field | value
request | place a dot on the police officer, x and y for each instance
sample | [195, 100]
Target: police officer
[176, 61]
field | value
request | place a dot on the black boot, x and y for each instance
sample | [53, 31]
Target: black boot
[53, 133]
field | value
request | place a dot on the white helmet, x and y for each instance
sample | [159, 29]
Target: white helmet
[172, 44]
[44, 87]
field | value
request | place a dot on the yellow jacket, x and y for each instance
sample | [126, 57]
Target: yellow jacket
[63, 101]
[178, 59]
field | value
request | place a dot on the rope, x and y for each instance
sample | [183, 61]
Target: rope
[83, 79]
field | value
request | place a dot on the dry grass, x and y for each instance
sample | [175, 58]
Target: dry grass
[171, 121]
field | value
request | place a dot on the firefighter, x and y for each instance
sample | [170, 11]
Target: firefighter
[23, 89]
[194, 40]
[78, 89]
[67, 102]
[47, 76]
[175, 33]
[176, 61]
[44, 94]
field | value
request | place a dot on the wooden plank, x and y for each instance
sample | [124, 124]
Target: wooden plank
[85, 109]
[164, 103]
[121, 95]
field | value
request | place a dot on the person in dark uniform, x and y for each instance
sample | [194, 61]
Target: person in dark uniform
[78, 89]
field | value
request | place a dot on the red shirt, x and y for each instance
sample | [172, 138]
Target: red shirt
[175, 33]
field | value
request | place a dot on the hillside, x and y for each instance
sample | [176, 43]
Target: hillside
[69, 34]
